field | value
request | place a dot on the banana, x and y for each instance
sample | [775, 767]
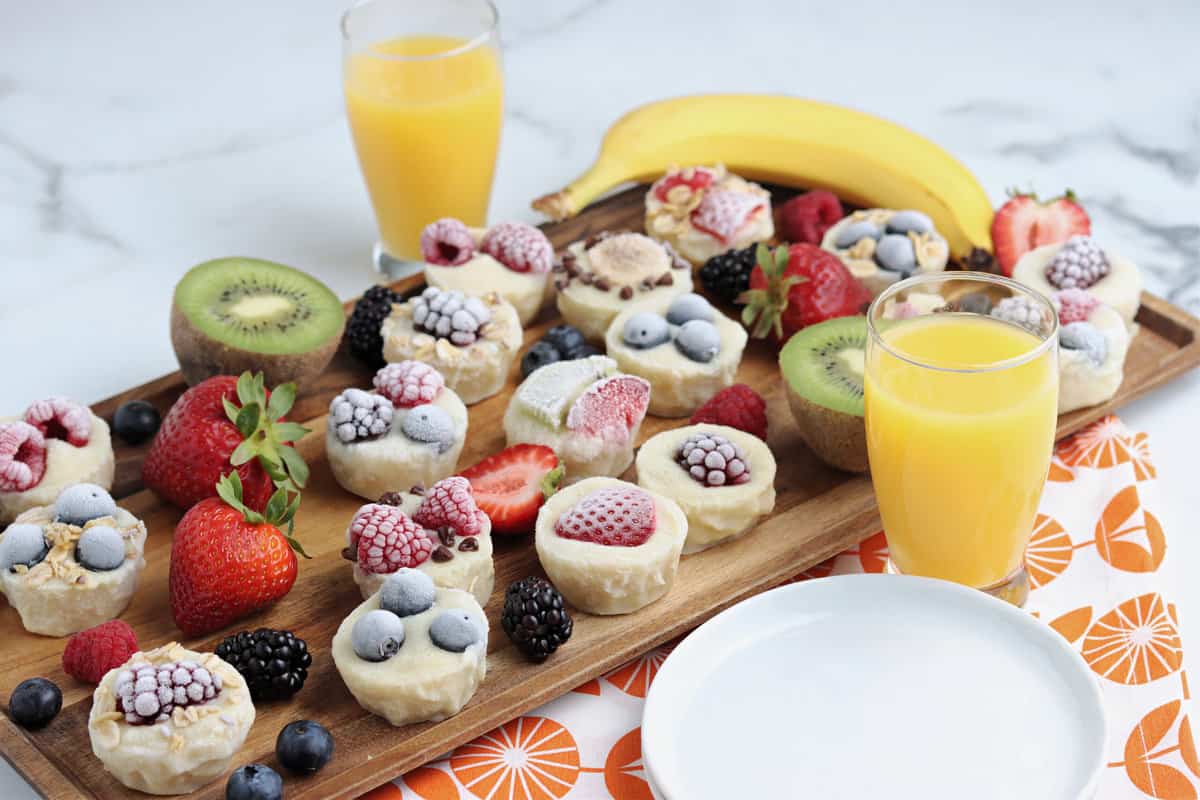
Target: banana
[865, 160]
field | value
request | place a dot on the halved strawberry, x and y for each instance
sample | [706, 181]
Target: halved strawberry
[511, 485]
[611, 408]
[1024, 223]
[694, 177]
[724, 212]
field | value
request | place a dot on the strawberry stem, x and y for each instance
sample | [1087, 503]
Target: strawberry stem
[265, 434]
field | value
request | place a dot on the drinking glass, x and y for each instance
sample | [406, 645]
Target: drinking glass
[425, 99]
[961, 406]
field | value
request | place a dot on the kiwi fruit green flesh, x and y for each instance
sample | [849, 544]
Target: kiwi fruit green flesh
[822, 367]
[236, 314]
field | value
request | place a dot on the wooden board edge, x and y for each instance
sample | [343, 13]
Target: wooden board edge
[33, 766]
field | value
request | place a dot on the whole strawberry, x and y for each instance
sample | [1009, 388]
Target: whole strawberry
[90, 654]
[219, 425]
[798, 286]
[228, 560]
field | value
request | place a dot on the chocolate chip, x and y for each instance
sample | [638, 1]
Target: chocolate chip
[665, 279]
[558, 267]
[446, 536]
[679, 263]
[586, 278]
[418, 490]
[647, 284]
[560, 284]
[391, 499]
[349, 554]
[442, 554]
[626, 292]
[568, 260]
[602, 284]
[468, 544]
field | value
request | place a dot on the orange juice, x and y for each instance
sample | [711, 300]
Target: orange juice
[426, 124]
[959, 459]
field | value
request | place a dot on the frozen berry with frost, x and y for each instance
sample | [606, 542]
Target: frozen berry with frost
[520, 247]
[1024, 311]
[22, 545]
[447, 243]
[90, 654]
[698, 340]
[100, 548]
[356, 415]
[22, 456]
[60, 418]
[455, 630]
[431, 425]
[377, 635]
[611, 408]
[1086, 337]
[616, 517]
[386, 539]
[449, 503]
[713, 460]
[148, 694]
[409, 383]
[83, 502]
[1078, 264]
[406, 592]
[1074, 305]
[450, 315]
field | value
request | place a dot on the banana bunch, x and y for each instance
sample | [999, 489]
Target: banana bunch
[865, 160]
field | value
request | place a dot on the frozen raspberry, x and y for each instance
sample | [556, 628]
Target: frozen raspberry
[739, 407]
[1075, 305]
[447, 243]
[450, 503]
[409, 383]
[1078, 264]
[723, 212]
[450, 315]
[806, 217]
[357, 415]
[713, 460]
[387, 539]
[695, 178]
[90, 654]
[617, 517]
[22, 456]
[520, 247]
[60, 418]
[148, 694]
[611, 408]
[1023, 311]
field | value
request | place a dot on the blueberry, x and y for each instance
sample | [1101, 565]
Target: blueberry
[429, 424]
[304, 746]
[905, 221]
[34, 703]
[895, 252]
[377, 636]
[22, 544]
[406, 592]
[644, 330]
[975, 303]
[454, 631]
[83, 502]
[1087, 337]
[852, 233]
[687, 307]
[100, 548]
[564, 338]
[136, 421]
[254, 782]
[698, 340]
[541, 354]
[584, 350]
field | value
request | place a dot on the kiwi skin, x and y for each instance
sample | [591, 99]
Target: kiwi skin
[839, 439]
[201, 357]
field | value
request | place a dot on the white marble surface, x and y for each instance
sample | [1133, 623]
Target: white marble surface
[138, 138]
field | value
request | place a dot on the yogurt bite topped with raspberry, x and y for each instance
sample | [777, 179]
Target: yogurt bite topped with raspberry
[1080, 263]
[511, 259]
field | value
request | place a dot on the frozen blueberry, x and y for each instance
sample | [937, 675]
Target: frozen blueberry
[100, 549]
[22, 544]
[454, 631]
[429, 424]
[82, 502]
[1087, 337]
[377, 635]
[254, 782]
[698, 340]
[406, 592]
[541, 354]
[34, 703]
[304, 746]
[564, 338]
[136, 421]
[644, 330]
[895, 252]
[975, 303]
[852, 233]
[905, 221]
[688, 307]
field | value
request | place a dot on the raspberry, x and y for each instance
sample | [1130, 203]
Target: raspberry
[806, 217]
[723, 212]
[90, 654]
[22, 456]
[450, 503]
[60, 418]
[1078, 264]
[713, 460]
[447, 243]
[611, 408]
[616, 517]
[739, 407]
[520, 247]
[409, 383]
[148, 694]
[387, 539]
[1074, 305]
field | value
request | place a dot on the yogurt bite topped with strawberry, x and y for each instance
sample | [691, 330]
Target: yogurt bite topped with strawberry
[511, 259]
[705, 211]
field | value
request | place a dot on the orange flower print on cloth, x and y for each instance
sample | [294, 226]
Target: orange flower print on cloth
[624, 776]
[1073, 624]
[1059, 471]
[530, 758]
[1139, 452]
[1135, 643]
[1127, 536]
[430, 784]
[1155, 765]
[1049, 551]
[1105, 443]
[635, 677]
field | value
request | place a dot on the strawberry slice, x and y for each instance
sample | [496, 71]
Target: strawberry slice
[511, 485]
[1025, 223]
[696, 177]
[723, 212]
[611, 408]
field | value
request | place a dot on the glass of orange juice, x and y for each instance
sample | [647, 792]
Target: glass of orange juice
[961, 406]
[425, 99]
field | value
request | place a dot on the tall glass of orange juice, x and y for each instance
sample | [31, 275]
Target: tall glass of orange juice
[961, 406]
[425, 99]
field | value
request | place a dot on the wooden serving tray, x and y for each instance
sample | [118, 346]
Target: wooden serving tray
[819, 512]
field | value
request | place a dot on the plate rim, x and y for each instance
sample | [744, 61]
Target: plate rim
[964, 594]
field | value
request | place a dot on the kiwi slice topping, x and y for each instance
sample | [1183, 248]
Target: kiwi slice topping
[237, 314]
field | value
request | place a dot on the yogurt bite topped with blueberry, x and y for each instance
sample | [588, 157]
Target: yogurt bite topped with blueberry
[881, 246]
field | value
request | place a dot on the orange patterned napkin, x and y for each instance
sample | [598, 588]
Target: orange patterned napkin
[1102, 577]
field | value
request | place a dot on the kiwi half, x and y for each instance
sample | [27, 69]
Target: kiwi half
[822, 366]
[237, 314]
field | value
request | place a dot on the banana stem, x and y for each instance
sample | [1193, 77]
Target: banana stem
[569, 201]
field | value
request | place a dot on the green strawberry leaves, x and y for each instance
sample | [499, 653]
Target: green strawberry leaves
[265, 435]
[551, 481]
[763, 312]
[280, 511]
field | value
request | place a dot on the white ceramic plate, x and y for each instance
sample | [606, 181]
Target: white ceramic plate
[874, 686]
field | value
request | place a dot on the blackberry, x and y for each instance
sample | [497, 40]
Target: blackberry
[362, 331]
[534, 618]
[728, 275]
[274, 663]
